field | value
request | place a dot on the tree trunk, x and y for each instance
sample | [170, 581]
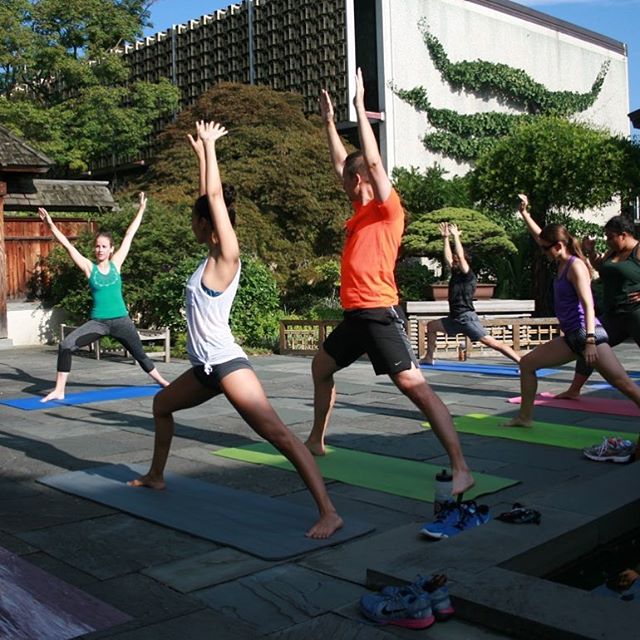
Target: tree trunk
[543, 274]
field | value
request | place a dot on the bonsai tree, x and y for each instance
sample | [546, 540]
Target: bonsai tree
[486, 242]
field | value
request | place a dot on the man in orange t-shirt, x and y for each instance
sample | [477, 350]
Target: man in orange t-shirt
[373, 322]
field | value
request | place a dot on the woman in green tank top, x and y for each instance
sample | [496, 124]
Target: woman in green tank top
[109, 315]
[619, 270]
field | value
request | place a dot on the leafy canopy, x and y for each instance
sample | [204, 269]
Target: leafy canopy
[63, 88]
[291, 209]
[486, 241]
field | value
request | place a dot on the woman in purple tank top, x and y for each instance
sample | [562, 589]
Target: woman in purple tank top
[575, 310]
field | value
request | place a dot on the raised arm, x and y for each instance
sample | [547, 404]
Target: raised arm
[595, 259]
[209, 133]
[457, 247]
[532, 225]
[198, 149]
[444, 232]
[369, 146]
[336, 149]
[123, 251]
[82, 262]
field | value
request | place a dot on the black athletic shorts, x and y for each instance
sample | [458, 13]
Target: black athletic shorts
[380, 333]
[212, 379]
[577, 339]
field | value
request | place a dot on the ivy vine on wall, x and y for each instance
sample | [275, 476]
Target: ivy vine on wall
[464, 137]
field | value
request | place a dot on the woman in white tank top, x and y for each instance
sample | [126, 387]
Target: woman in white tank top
[219, 363]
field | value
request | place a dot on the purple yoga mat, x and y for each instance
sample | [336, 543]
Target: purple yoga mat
[585, 403]
[35, 604]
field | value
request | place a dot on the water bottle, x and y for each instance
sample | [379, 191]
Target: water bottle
[444, 486]
[462, 351]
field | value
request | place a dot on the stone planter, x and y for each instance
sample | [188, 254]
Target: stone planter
[441, 291]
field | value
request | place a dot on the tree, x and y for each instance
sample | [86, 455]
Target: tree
[63, 88]
[562, 166]
[291, 209]
[486, 242]
[430, 190]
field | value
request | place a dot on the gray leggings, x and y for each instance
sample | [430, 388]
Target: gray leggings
[122, 329]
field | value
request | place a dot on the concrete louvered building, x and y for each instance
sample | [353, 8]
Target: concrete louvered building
[302, 45]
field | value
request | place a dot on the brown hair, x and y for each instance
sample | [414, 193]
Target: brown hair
[201, 206]
[354, 164]
[558, 233]
[104, 234]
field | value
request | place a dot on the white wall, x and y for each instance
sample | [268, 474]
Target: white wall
[468, 32]
[30, 324]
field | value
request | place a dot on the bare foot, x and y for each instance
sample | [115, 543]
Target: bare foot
[165, 383]
[517, 422]
[462, 481]
[316, 448]
[568, 395]
[152, 482]
[54, 395]
[326, 526]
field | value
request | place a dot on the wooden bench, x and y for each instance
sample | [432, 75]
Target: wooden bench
[145, 335]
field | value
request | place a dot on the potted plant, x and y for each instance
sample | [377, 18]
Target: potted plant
[485, 242]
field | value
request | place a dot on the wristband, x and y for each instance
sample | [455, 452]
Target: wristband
[591, 335]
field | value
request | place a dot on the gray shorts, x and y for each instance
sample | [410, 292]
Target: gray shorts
[466, 323]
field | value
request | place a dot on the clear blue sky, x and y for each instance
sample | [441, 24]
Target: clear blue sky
[618, 19]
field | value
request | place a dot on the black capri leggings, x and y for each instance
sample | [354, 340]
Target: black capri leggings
[619, 327]
[122, 329]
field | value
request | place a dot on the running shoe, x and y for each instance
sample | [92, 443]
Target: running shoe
[403, 609]
[436, 587]
[442, 525]
[610, 450]
[473, 515]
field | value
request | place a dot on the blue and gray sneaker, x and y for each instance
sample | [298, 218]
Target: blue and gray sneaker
[456, 518]
[436, 587]
[473, 515]
[442, 525]
[403, 609]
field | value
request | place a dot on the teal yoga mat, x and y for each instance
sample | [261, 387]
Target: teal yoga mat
[83, 397]
[408, 478]
[262, 526]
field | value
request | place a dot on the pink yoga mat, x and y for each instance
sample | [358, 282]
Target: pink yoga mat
[586, 403]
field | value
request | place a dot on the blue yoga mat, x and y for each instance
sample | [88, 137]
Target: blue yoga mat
[486, 369]
[83, 397]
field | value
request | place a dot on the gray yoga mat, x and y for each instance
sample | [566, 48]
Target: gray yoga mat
[265, 527]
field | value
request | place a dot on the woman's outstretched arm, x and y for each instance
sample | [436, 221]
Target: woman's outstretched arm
[198, 149]
[121, 254]
[83, 263]
[210, 132]
[532, 225]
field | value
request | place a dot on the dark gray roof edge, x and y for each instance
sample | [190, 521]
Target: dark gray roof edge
[45, 159]
[634, 116]
[545, 20]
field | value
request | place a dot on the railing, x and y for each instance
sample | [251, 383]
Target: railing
[304, 337]
[522, 334]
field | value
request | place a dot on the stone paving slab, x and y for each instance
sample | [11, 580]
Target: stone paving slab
[279, 597]
[114, 545]
[199, 625]
[206, 570]
[369, 414]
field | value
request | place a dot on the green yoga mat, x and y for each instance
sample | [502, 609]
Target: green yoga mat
[557, 435]
[408, 478]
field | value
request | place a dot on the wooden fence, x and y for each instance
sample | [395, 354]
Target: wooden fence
[303, 337]
[29, 239]
[522, 334]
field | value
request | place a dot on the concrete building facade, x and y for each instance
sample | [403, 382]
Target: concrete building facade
[302, 45]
